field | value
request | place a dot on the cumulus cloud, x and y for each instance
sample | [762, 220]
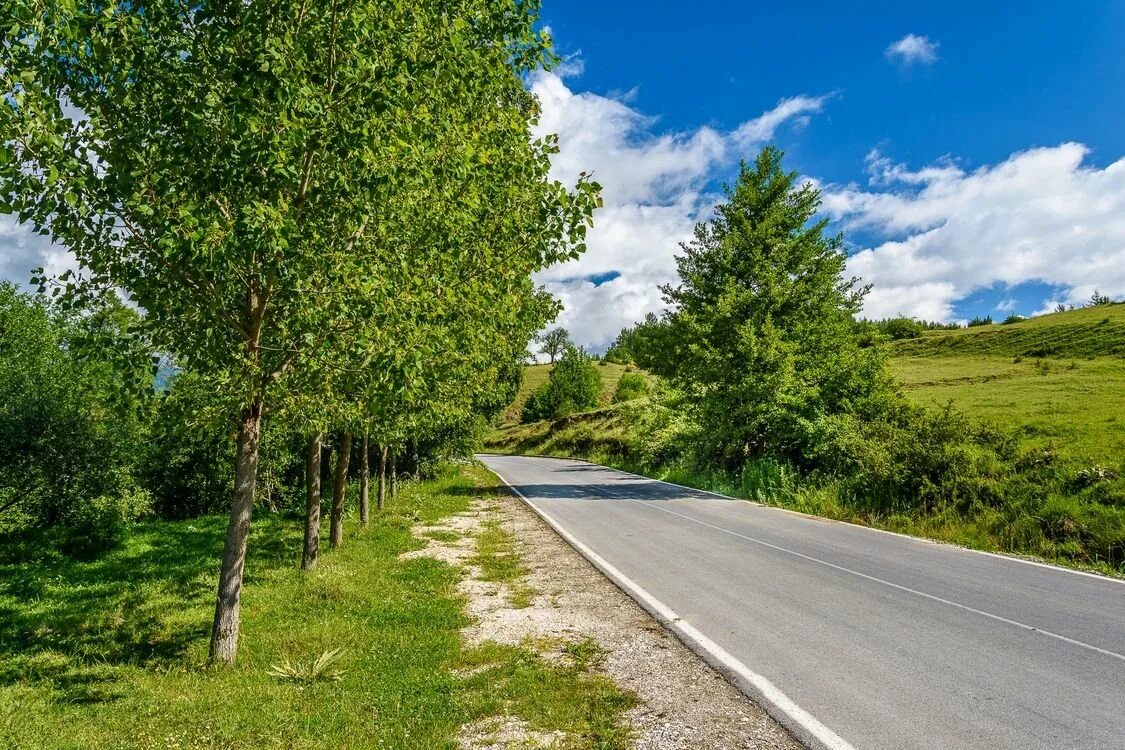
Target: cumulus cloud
[655, 190]
[911, 49]
[1042, 215]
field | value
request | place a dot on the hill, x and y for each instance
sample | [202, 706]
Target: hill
[1088, 332]
[536, 375]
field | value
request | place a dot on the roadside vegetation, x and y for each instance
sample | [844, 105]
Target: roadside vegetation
[302, 240]
[364, 652]
[768, 388]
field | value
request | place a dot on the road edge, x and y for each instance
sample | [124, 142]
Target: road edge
[1009, 556]
[804, 727]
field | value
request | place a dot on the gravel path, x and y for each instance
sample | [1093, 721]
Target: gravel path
[684, 705]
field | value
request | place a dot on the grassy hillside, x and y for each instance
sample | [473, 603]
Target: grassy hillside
[1089, 332]
[1076, 406]
[536, 375]
[1057, 380]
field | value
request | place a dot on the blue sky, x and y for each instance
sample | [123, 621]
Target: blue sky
[1003, 80]
[973, 171]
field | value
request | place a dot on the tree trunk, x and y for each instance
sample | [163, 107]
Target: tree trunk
[364, 482]
[224, 632]
[339, 489]
[394, 478]
[381, 496]
[312, 503]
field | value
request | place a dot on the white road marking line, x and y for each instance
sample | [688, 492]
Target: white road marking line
[799, 721]
[779, 509]
[875, 579]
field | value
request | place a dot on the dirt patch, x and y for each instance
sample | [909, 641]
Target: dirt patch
[563, 602]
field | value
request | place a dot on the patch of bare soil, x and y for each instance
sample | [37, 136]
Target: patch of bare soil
[684, 704]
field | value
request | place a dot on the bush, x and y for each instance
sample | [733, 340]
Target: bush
[902, 328]
[100, 524]
[631, 385]
[69, 432]
[573, 385]
[187, 466]
[981, 321]
[1013, 318]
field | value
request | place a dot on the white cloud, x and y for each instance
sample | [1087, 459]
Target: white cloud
[654, 187]
[21, 250]
[1041, 215]
[911, 49]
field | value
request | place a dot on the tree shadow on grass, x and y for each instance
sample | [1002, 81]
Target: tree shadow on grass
[73, 626]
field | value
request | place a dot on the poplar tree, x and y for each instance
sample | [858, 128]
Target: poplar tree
[225, 163]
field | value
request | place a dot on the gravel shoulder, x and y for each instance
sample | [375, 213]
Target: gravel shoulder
[561, 600]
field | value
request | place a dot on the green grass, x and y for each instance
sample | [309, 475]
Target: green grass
[1075, 406]
[1088, 332]
[536, 375]
[112, 653]
[496, 556]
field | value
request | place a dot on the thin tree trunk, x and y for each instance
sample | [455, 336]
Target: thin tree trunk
[312, 503]
[339, 490]
[224, 632]
[364, 482]
[394, 477]
[381, 495]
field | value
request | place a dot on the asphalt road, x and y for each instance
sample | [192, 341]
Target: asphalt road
[849, 636]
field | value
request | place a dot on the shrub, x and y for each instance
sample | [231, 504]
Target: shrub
[1013, 318]
[573, 385]
[902, 328]
[100, 524]
[980, 321]
[631, 385]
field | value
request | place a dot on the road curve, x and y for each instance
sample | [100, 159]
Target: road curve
[853, 638]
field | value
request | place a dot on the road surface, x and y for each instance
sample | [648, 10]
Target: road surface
[853, 638]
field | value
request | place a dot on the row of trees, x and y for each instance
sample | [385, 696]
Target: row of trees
[327, 212]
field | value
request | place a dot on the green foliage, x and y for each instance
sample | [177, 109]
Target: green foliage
[631, 385]
[574, 385]
[187, 466]
[69, 432]
[901, 328]
[1013, 318]
[980, 321]
[762, 340]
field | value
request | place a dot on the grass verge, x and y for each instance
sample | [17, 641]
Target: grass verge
[112, 653]
[1057, 528]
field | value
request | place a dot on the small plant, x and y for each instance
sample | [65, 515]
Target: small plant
[1093, 474]
[1097, 299]
[319, 670]
[981, 321]
[586, 654]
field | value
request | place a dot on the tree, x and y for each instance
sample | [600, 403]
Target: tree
[70, 435]
[762, 337]
[554, 342]
[227, 164]
[1097, 299]
[573, 385]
